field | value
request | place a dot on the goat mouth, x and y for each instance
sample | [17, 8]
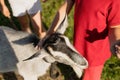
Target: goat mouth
[69, 59]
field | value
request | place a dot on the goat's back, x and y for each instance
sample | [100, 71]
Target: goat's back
[14, 46]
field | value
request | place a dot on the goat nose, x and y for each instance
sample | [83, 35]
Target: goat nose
[80, 60]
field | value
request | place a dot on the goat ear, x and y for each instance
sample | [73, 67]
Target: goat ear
[63, 25]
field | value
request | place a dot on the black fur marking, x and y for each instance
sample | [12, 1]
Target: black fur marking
[33, 56]
[57, 43]
[54, 73]
[29, 39]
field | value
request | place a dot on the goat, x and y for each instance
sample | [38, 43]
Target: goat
[17, 53]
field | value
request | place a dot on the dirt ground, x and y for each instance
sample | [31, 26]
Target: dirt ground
[65, 73]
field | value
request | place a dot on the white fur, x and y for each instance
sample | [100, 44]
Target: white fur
[12, 55]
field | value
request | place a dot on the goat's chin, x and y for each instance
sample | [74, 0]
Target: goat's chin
[78, 71]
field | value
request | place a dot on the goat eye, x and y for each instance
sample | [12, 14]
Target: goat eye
[53, 39]
[56, 41]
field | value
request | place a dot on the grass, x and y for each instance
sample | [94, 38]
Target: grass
[111, 69]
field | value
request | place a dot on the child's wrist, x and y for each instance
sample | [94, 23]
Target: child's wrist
[113, 46]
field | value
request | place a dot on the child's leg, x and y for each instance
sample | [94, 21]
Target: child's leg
[93, 73]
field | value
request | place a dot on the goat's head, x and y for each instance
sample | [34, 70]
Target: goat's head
[59, 49]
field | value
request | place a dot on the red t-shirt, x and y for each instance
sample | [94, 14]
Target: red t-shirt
[92, 20]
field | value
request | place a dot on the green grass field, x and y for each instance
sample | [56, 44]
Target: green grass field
[112, 67]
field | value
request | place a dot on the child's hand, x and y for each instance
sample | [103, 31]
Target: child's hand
[6, 12]
[41, 42]
[44, 0]
[117, 50]
[39, 45]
